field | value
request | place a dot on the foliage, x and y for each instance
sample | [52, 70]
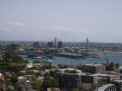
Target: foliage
[37, 84]
[70, 71]
[11, 60]
[52, 82]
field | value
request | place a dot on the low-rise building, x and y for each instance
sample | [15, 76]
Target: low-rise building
[23, 84]
[2, 83]
[93, 68]
[100, 79]
[107, 87]
[118, 84]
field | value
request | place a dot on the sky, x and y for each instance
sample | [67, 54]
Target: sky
[68, 20]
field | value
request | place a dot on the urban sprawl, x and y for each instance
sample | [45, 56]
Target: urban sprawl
[28, 66]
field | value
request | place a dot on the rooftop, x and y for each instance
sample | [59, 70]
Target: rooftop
[104, 87]
[94, 65]
[71, 71]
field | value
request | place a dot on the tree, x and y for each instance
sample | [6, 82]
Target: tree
[38, 84]
[11, 59]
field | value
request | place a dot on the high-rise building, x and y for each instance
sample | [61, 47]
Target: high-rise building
[36, 45]
[50, 44]
[60, 44]
[69, 79]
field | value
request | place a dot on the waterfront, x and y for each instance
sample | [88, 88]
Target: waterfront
[115, 57]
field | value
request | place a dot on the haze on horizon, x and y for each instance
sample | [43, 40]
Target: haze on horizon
[68, 20]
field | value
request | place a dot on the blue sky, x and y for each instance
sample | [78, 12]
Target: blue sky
[68, 20]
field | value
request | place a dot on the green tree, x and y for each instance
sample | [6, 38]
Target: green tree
[11, 60]
[37, 84]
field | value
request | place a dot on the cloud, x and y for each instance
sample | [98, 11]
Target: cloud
[16, 23]
[11, 25]
[63, 28]
[56, 28]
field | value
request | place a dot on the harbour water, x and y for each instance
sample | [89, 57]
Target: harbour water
[115, 57]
